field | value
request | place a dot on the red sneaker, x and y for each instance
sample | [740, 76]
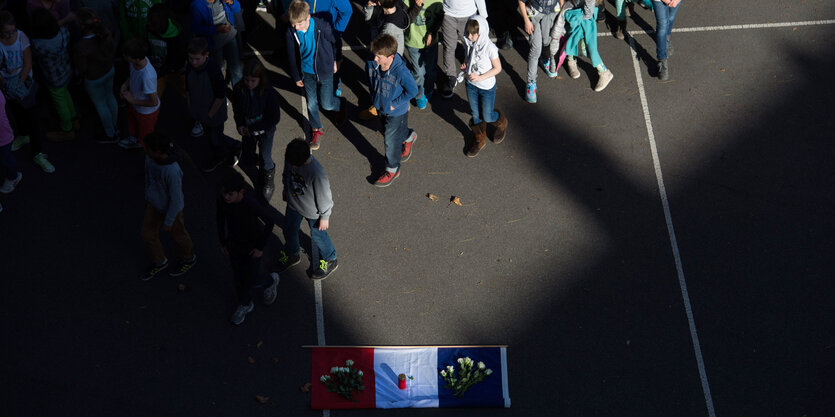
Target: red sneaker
[387, 178]
[406, 152]
[314, 141]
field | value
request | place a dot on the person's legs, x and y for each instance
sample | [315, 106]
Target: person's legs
[418, 69]
[241, 272]
[450, 42]
[64, 107]
[311, 93]
[671, 19]
[147, 124]
[8, 162]
[150, 234]
[395, 130]
[472, 98]
[328, 100]
[536, 42]
[486, 98]
[181, 237]
[101, 94]
[321, 241]
[429, 55]
[133, 122]
[265, 147]
[234, 70]
[292, 224]
[662, 22]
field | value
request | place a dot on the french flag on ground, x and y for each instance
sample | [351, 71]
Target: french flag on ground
[421, 365]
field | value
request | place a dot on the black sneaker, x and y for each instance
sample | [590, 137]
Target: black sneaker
[447, 88]
[324, 270]
[154, 270]
[183, 267]
[285, 261]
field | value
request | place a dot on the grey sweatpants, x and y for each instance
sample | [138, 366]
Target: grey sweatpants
[453, 28]
[540, 37]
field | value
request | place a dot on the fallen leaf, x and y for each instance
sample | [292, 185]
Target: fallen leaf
[260, 342]
[305, 387]
[432, 197]
[181, 287]
[722, 69]
[261, 399]
[479, 283]
[455, 200]
[250, 359]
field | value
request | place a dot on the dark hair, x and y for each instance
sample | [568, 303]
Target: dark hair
[388, 4]
[159, 11]
[384, 45]
[297, 152]
[89, 23]
[158, 142]
[198, 45]
[135, 48]
[254, 68]
[232, 181]
[472, 27]
[6, 18]
[44, 24]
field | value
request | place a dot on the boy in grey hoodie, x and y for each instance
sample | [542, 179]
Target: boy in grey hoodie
[164, 204]
[308, 195]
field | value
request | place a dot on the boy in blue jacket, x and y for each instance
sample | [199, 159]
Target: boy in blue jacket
[215, 21]
[392, 87]
[312, 56]
[340, 12]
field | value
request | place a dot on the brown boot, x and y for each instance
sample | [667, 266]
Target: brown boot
[500, 126]
[479, 138]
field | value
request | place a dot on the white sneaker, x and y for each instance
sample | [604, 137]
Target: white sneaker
[241, 312]
[270, 292]
[573, 71]
[604, 80]
[129, 142]
[9, 185]
[197, 130]
[41, 161]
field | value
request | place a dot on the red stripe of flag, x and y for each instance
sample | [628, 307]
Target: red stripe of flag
[326, 358]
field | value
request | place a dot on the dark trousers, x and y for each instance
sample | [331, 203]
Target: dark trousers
[247, 275]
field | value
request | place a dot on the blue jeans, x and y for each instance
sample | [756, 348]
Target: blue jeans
[481, 104]
[8, 164]
[321, 241]
[265, 148]
[316, 90]
[424, 63]
[101, 94]
[233, 60]
[396, 131]
[665, 16]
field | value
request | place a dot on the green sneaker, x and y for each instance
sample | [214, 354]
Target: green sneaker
[324, 270]
[44, 163]
[19, 141]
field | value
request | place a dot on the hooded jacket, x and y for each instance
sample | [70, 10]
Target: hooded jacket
[201, 18]
[324, 55]
[339, 11]
[255, 109]
[164, 186]
[480, 54]
[205, 85]
[394, 88]
[392, 24]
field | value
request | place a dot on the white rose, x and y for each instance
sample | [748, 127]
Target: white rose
[359, 373]
[349, 362]
[481, 365]
[323, 378]
[488, 372]
[334, 370]
[461, 360]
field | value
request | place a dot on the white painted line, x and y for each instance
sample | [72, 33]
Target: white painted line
[694, 336]
[736, 27]
[320, 324]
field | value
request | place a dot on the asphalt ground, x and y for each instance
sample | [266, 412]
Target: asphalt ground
[561, 248]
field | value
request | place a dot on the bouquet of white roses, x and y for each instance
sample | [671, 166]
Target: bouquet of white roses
[469, 374]
[344, 380]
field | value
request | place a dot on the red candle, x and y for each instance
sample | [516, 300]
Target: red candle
[401, 381]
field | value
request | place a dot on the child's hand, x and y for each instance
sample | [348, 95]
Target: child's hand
[392, 108]
[128, 96]
[528, 27]
[256, 253]
[323, 225]
[428, 39]
[673, 3]
[224, 28]
[463, 67]
[335, 67]
[229, 2]
[475, 77]
[300, 83]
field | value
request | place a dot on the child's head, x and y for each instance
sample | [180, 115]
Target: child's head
[8, 30]
[158, 146]
[198, 51]
[388, 4]
[472, 29]
[158, 17]
[135, 49]
[255, 76]
[232, 187]
[299, 15]
[297, 152]
[384, 48]
[44, 24]
[90, 24]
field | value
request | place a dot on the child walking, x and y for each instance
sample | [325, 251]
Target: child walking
[312, 55]
[93, 60]
[8, 164]
[164, 202]
[206, 98]
[243, 238]
[456, 15]
[49, 46]
[255, 104]
[392, 87]
[580, 15]
[538, 16]
[308, 195]
[21, 90]
[480, 70]
[140, 91]
[421, 40]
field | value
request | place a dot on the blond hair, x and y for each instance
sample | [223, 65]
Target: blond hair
[298, 11]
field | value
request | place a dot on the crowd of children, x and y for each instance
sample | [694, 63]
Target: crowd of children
[184, 50]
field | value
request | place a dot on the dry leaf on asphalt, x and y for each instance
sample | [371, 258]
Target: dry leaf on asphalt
[432, 197]
[260, 342]
[455, 200]
[305, 387]
[261, 399]
[181, 287]
[250, 359]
